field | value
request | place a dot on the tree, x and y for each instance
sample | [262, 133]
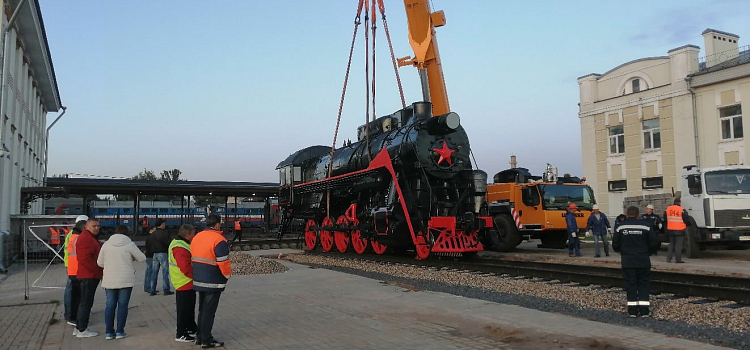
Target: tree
[150, 175]
[146, 174]
[171, 175]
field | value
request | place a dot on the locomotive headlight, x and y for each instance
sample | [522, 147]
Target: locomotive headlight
[450, 120]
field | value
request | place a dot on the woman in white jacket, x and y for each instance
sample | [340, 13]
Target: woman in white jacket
[116, 257]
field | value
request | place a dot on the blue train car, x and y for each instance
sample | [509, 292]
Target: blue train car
[113, 213]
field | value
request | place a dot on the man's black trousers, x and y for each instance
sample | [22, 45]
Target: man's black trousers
[208, 302]
[88, 291]
[185, 312]
[637, 287]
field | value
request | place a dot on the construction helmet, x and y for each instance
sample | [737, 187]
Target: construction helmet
[572, 206]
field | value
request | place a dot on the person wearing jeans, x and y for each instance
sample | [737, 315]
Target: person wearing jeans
[598, 225]
[116, 257]
[149, 261]
[160, 248]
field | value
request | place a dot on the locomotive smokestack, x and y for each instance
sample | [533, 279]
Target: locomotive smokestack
[513, 162]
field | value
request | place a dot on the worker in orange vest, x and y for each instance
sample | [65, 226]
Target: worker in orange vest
[72, 296]
[677, 220]
[211, 271]
[237, 230]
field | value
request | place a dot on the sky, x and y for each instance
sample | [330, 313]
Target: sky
[225, 90]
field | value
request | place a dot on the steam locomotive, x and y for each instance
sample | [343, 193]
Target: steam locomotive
[407, 183]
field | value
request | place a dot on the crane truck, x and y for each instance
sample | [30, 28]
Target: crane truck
[534, 207]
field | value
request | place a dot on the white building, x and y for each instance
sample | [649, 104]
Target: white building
[643, 120]
[29, 92]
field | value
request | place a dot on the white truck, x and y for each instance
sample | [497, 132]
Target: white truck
[718, 202]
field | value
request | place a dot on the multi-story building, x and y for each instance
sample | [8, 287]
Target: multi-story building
[642, 121]
[28, 92]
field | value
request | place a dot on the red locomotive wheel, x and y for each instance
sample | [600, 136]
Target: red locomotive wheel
[422, 248]
[358, 243]
[311, 237]
[341, 235]
[326, 236]
[378, 247]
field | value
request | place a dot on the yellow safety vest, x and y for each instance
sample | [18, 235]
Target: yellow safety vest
[175, 274]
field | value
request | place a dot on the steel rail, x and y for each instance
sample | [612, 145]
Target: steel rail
[678, 283]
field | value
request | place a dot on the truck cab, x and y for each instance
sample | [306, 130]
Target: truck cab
[718, 202]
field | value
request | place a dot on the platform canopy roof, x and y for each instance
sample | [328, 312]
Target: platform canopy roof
[85, 186]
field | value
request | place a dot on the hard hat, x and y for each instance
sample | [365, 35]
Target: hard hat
[650, 207]
[82, 218]
[595, 207]
[572, 206]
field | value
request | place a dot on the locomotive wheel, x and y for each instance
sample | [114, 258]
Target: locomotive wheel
[326, 236]
[378, 247]
[341, 236]
[358, 243]
[311, 237]
[422, 248]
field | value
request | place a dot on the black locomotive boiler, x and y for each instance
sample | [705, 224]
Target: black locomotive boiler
[407, 183]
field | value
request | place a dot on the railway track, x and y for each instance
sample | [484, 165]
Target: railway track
[680, 284]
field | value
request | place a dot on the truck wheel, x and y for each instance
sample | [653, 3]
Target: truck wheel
[692, 247]
[504, 236]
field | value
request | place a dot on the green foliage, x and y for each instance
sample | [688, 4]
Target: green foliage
[150, 175]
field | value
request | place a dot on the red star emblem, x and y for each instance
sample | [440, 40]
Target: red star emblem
[445, 153]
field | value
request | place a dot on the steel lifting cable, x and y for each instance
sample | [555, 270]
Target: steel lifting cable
[393, 56]
[367, 82]
[374, 27]
[341, 104]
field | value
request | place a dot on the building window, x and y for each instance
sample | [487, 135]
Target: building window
[651, 134]
[616, 140]
[653, 182]
[619, 185]
[636, 85]
[731, 122]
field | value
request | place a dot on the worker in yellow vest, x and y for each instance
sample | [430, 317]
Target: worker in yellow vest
[72, 296]
[677, 220]
[181, 274]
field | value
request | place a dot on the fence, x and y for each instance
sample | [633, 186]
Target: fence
[32, 242]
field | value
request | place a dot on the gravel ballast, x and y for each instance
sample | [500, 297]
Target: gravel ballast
[246, 264]
[710, 322]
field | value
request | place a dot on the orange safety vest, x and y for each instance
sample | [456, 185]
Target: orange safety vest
[237, 225]
[54, 236]
[674, 218]
[210, 272]
[72, 257]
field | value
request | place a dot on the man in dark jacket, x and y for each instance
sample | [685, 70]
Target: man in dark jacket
[574, 243]
[89, 274]
[598, 224]
[160, 246]
[653, 219]
[635, 240]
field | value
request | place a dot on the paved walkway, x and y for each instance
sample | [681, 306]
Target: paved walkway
[308, 308]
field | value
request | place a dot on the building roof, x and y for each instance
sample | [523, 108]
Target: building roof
[709, 30]
[32, 33]
[742, 58]
[625, 64]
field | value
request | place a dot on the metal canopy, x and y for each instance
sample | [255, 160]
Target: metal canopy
[83, 186]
